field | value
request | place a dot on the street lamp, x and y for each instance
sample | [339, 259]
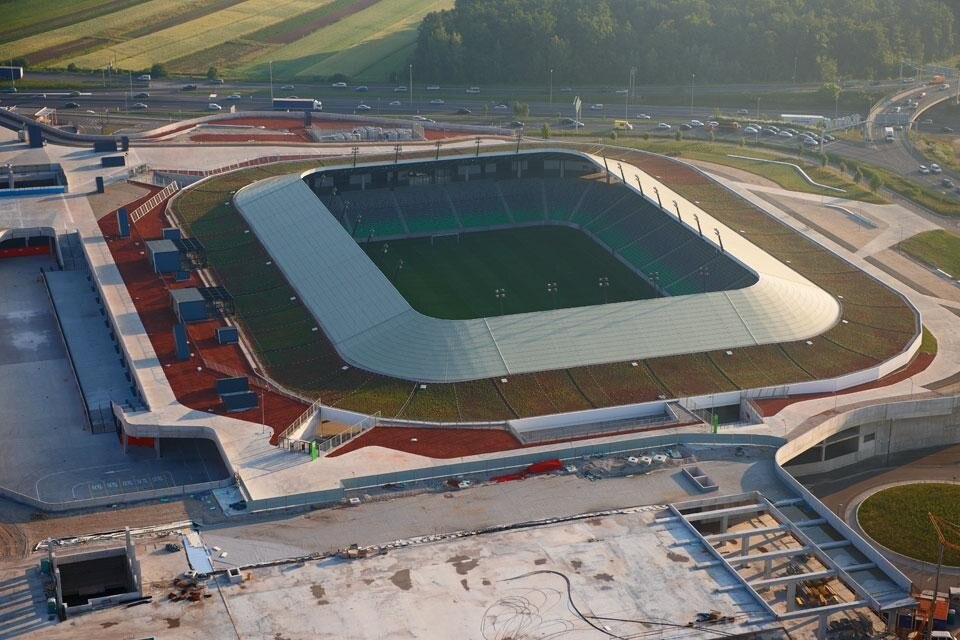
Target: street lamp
[438, 151]
[696, 219]
[552, 289]
[500, 294]
[551, 87]
[677, 207]
[693, 78]
[603, 282]
[657, 192]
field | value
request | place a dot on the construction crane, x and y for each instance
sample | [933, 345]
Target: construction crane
[943, 528]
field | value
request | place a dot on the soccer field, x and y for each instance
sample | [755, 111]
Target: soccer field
[457, 277]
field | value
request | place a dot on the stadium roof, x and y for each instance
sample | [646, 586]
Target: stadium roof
[373, 327]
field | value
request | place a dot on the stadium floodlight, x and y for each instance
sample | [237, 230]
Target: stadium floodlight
[500, 294]
[677, 207]
[696, 219]
[719, 239]
[657, 192]
[553, 289]
[604, 283]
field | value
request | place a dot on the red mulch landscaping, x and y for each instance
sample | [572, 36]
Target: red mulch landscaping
[434, 443]
[192, 381]
[773, 406]
[253, 137]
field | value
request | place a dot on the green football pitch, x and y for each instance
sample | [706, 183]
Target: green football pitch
[457, 277]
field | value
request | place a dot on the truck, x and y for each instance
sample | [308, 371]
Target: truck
[11, 73]
[888, 134]
[938, 79]
[622, 125]
[296, 104]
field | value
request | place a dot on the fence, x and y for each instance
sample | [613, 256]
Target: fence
[159, 197]
[351, 432]
[284, 440]
[203, 173]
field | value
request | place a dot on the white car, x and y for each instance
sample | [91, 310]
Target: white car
[139, 105]
[596, 107]
[421, 119]
[213, 106]
[924, 170]
[500, 107]
[233, 96]
[395, 103]
[473, 90]
[643, 116]
[663, 125]
[433, 87]
[785, 134]
[339, 85]
[935, 168]
[743, 112]
[751, 130]
[363, 107]
[696, 124]
[438, 101]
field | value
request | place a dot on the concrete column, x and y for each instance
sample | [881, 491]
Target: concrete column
[766, 567]
[791, 596]
[822, 627]
[744, 543]
[724, 524]
[892, 620]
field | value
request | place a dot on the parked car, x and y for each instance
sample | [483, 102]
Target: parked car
[696, 124]
[785, 134]
[751, 130]
[948, 183]
[924, 170]
[946, 129]
[686, 127]
[935, 168]
[743, 112]
[663, 125]
[516, 124]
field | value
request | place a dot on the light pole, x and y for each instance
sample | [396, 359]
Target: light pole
[397, 148]
[478, 146]
[655, 276]
[437, 157]
[552, 289]
[271, 80]
[500, 294]
[603, 282]
[677, 207]
[693, 78]
[355, 151]
[410, 80]
[551, 87]
[396, 273]
[758, 108]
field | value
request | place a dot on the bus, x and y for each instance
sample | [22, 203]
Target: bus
[296, 104]
[888, 134]
[11, 73]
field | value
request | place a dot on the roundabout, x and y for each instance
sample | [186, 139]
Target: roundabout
[896, 518]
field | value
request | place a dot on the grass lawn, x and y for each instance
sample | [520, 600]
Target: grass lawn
[786, 177]
[939, 249]
[456, 279]
[897, 519]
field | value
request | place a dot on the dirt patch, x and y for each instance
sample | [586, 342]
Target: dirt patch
[172, 623]
[368, 581]
[463, 583]
[402, 579]
[576, 564]
[433, 443]
[677, 557]
[65, 49]
[539, 561]
[463, 564]
[485, 582]
[107, 625]
[594, 522]
[224, 138]
[603, 577]
[319, 593]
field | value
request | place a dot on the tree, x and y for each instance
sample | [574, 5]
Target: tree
[678, 135]
[545, 131]
[158, 71]
[521, 109]
[858, 175]
[212, 73]
[72, 68]
[876, 182]
[823, 160]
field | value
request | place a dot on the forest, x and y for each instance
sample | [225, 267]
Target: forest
[667, 41]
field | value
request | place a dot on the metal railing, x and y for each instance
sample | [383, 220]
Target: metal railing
[149, 205]
[284, 440]
[203, 173]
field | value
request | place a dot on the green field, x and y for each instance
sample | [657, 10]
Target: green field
[897, 518]
[939, 249]
[455, 277]
[306, 39]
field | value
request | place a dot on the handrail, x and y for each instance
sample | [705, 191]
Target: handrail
[304, 417]
[157, 198]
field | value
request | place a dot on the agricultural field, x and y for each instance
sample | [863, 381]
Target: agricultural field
[878, 323]
[454, 277]
[304, 38]
[897, 519]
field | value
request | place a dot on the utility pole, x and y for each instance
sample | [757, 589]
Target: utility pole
[271, 83]
[551, 87]
[693, 78]
[410, 80]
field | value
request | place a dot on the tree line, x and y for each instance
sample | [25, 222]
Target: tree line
[667, 41]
